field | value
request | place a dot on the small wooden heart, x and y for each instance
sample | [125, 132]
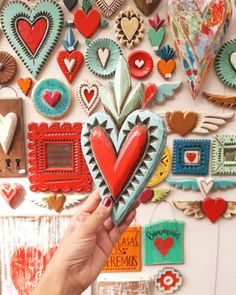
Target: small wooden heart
[129, 27]
[191, 156]
[25, 85]
[56, 201]
[12, 193]
[139, 63]
[8, 126]
[103, 54]
[70, 64]
[182, 123]
[233, 60]
[166, 68]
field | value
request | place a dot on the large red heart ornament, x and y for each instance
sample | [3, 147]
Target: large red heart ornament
[87, 24]
[213, 209]
[163, 246]
[27, 266]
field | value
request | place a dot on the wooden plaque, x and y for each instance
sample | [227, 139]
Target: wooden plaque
[126, 255]
[13, 163]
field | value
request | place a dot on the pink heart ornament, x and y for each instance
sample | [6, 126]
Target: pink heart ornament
[52, 98]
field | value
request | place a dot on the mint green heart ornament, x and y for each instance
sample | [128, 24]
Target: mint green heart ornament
[156, 37]
[32, 33]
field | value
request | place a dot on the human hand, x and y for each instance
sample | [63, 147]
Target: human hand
[84, 249]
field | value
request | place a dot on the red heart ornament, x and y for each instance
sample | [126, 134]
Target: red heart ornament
[213, 209]
[117, 169]
[163, 246]
[150, 93]
[75, 56]
[11, 193]
[146, 196]
[32, 34]
[191, 156]
[27, 266]
[52, 98]
[87, 24]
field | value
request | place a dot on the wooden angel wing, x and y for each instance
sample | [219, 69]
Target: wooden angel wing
[231, 210]
[190, 208]
[222, 100]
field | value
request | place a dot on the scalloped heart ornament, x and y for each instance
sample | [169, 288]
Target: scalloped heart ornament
[32, 33]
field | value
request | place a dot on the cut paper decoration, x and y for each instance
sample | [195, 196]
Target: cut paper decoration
[32, 34]
[154, 195]
[88, 94]
[204, 185]
[228, 101]
[25, 85]
[147, 7]
[12, 140]
[191, 157]
[12, 193]
[156, 33]
[70, 63]
[70, 44]
[55, 158]
[225, 64]
[140, 64]
[70, 4]
[163, 242]
[107, 48]
[223, 159]
[129, 28]
[213, 209]
[198, 28]
[158, 94]
[162, 170]
[8, 125]
[51, 98]
[166, 65]
[124, 131]
[57, 202]
[126, 255]
[184, 123]
[108, 7]
[87, 20]
[168, 280]
[116, 286]
[8, 67]
[25, 256]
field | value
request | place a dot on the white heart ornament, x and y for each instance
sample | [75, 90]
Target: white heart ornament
[233, 60]
[103, 54]
[70, 64]
[7, 130]
[205, 184]
[139, 63]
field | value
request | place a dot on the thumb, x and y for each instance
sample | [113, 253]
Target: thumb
[99, 216]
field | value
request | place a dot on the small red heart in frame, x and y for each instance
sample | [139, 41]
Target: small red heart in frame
[87, 24]
[27, 265]
[12, 193]
[70, 63]
[191, 156]
[52, 98]
[140, 64]
[150, 93]
[213, 209]
[146, 196]
[163, 246]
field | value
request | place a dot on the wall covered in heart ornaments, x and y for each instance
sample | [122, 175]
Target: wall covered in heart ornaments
[152, 79]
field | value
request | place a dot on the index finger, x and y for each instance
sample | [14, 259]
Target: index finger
[92, 202]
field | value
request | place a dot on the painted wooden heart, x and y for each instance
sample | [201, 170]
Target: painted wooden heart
[205, 184]
[213, 209]
[11, 193]
[182, 123]
[129, 27]
[198, 28]
[147, 7]
[52, 97]
[122, 162]
[163, 246]
[8, 126]
[56, 201]
[27, 265]
[88, 95]
[70, 63]
[25, 84]
[32, 34]
[108, 7]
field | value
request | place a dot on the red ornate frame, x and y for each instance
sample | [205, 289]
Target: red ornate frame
[76, 178]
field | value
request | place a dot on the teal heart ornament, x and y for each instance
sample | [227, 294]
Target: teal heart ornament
[32, 33]
[123, 147]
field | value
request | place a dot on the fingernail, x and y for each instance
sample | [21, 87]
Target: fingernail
[107, 202]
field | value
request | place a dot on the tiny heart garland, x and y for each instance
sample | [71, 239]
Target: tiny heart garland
[134, 140]
[213, 209]
[32, 34]
[88, 94]
[12, 193]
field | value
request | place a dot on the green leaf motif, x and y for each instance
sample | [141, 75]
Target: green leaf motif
[160, 194]
[87, 5]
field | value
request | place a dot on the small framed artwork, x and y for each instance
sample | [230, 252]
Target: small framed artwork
[55, 158]
[224, 155]
[191, 157]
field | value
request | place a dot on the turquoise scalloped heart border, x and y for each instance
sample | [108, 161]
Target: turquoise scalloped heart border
[48, 9]
[147, 166]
